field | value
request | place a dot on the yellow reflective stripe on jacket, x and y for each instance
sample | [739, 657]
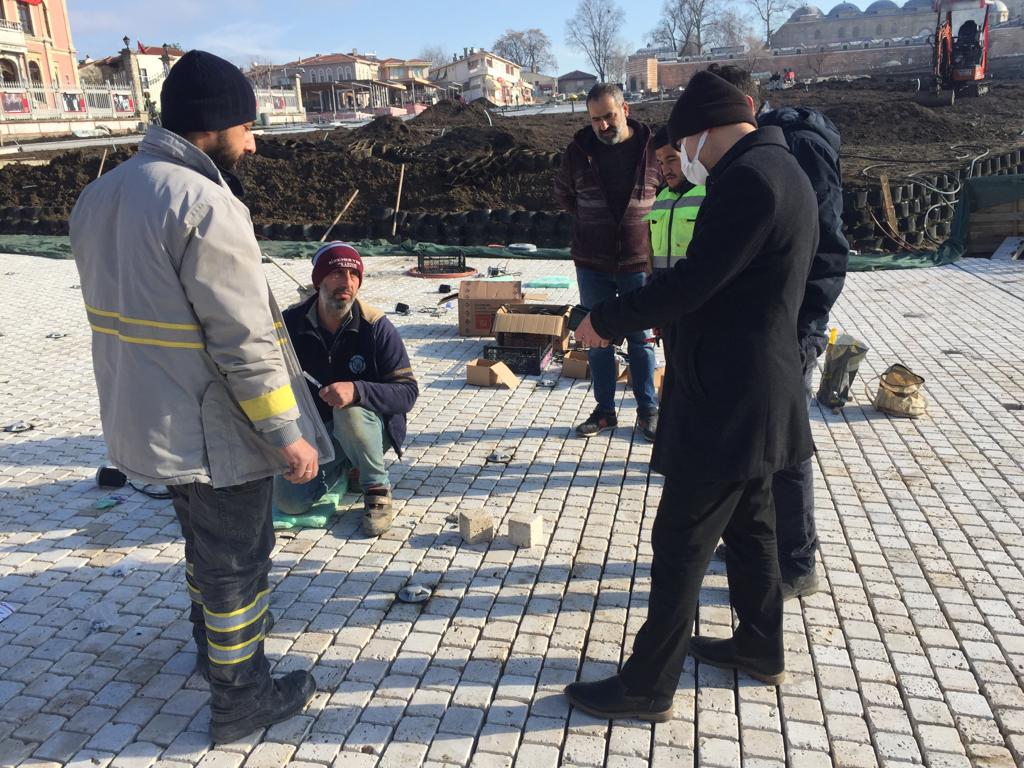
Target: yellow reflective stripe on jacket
[281, 400]
[136, 321]
[99, 321]
[150, 342]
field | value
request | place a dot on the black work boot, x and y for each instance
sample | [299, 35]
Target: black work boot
[287, 696]
[609, 699]
[723, 653]
[203, 660]
[598, 422]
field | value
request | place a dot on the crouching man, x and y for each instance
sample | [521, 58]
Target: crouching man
[355, 352]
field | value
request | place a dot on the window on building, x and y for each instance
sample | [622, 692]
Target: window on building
[490, 62]
[145, 77]
[817, 34]
[8, 71]
[878, 30]
[25, 17]
[46, 22]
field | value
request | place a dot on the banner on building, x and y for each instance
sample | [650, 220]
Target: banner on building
[73, 102]
[15, 103]
[123, 103]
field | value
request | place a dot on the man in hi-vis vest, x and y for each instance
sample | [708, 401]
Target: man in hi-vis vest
[675, 209]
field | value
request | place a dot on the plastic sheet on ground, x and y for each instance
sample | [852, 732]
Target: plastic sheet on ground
[59, 247]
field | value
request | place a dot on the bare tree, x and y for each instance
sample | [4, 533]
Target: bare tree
[704, 19]
[733, 29]
[769, 11]
[594, 31]
[755, 52]
[436, 55]
[529, 48]
[819, 62]
[675, 26]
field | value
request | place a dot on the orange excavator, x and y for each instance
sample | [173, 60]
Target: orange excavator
[959, 54]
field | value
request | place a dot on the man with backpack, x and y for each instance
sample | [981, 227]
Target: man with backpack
[814, 142]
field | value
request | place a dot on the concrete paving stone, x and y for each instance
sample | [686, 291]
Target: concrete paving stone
[138, 754]
[270, 755]
[537, 756]
[919, 527]
[88, 758]
[61, 746]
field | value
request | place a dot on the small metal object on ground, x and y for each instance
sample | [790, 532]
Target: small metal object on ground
[444, 288]
[402, 309]
[500, 457]
[414, 593]
[56, 335]
[18, 426]
[547, 383]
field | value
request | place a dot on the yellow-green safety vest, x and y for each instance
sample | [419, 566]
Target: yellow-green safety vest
[671, 220]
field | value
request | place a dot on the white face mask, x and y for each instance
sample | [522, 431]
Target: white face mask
[693, 170]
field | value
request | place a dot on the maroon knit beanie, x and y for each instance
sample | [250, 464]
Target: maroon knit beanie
[334, 256]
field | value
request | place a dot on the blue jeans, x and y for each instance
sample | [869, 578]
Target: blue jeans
[596, 287]
[359, 441]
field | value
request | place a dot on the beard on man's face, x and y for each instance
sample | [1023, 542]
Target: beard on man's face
[224, 156]
[612, 136]
[336, 303]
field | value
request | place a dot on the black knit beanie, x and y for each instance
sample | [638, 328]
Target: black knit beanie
[661, 137]
[203, 92]
[707, 102]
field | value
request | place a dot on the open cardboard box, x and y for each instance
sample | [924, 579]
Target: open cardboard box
[490, 373]
[659, 378]
[533, 324]
[480, 299]
[576, 364]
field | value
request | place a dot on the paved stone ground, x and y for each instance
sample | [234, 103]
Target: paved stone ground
[912, 654]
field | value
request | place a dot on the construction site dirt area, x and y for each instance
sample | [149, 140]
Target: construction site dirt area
[470, 158]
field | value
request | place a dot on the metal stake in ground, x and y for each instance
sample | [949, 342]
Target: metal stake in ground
[398, 200]
[293, 279]
[338, 217]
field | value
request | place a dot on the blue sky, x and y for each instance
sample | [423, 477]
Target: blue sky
[242, 30]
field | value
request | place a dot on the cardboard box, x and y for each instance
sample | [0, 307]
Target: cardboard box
[576, 365]
[479, 300]
[490, 373]
[659, 378]
[523, 325]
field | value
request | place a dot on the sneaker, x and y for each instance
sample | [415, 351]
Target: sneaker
[203, 661]
[723, 653]
[377, 512]
[648, 424]
[599, 421]
[800, 586]
[609, 700]
[287, 696]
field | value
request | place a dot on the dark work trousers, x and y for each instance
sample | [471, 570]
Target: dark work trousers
[793, 491]
[229, 535]
[691, 518]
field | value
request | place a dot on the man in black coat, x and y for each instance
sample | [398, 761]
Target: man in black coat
[814, 142]
[733, 412]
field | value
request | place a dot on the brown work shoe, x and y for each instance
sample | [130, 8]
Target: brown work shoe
[377, 512]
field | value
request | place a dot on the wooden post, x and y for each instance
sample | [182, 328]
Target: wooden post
[887, 206]
[338, 217]
[398, 200]
[103, 161]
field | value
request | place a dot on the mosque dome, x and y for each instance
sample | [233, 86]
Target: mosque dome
[849, 9]
[881, 6]
[805, 12]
